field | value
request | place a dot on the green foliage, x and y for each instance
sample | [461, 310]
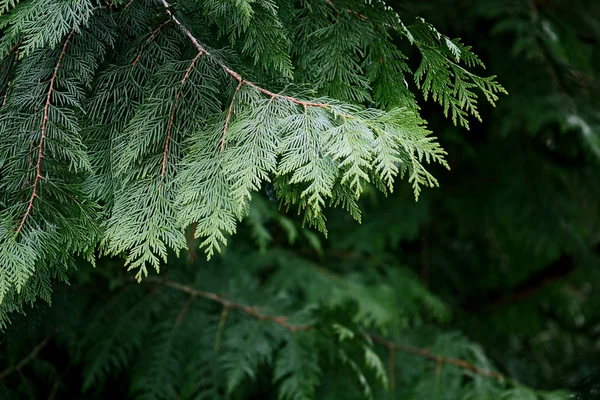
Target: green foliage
[138, 133]
[129, 150]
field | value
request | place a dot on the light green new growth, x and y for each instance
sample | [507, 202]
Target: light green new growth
[124, 124]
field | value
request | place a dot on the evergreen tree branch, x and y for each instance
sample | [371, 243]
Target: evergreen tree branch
[14, 48]
[220, 326]
[184, 311]
[5, 95]
[237, 89]
[236, 75]
[349, 11]
[152, 36]
[423, 352]
[252, 311]
[38, 168]
[282, 321]
[28, 358]
[172, 117]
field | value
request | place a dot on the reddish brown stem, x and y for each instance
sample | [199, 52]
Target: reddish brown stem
[169, 128]
[236, 75]
[38, 168]
[5, 94]
[172, 117]
[439, 359]
[282, 321]
[152, 36]
[252, 311]
[229, 115]
[184, 311]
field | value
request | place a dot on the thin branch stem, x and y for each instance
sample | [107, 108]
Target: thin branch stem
[220, 327]
[6, 94]
[38, 168]
[282, 321]
[172, 117]
[236, 75]
[152, 36]
[252, 311]
[184, 311]
[237, 89]
[15, 47]
[28, 358]
[439, 359]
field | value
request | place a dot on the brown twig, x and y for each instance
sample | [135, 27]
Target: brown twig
[439, 359]
[38, 168]
[349, 11]
[28, 358]
[184, 311]
[229, 115]
[220, 327]
[5, 94]
[282, 321]
[236, 75]
[172, 117]
[152, 36]
[252, 311]
[15, 47]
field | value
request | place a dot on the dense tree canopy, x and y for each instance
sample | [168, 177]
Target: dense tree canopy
[281, 199]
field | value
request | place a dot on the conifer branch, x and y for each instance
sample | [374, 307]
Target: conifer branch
[359, 15]
[14, 48]
[423, 352]
[152, 36]
[128, 4]
[172, 117]
[220, 327]
[236, 75]
[229, 115]
[184, 311]
[28, 358]
[5, 94]
[38, 168]
[282, 321]
[252, 311]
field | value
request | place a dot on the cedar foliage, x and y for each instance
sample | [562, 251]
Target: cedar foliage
[135, 132]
